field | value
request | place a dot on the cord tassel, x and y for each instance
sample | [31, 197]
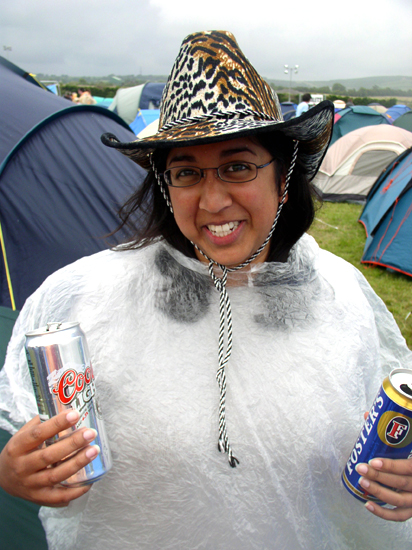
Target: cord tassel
[225, 322]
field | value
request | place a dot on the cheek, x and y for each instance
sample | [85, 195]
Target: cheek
[262, 203]
[184, 207]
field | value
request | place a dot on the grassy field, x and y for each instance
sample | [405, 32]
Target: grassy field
[337, 229]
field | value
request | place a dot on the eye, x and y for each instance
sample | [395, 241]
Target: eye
[238, 171]
[186, 172]
[237, 167]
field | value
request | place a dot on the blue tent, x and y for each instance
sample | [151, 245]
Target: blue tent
[288, 109]
[387, 217]
[52, 88]
[396, 111]
[144, 118]
[151, 95]
[103, 101]
[60, 186]
[352, 118]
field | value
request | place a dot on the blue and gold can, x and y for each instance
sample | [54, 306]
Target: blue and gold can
[387, 431]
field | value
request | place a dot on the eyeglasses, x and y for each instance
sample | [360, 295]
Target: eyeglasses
[232, 172]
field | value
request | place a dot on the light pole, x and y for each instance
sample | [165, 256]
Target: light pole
[7, 49]
[291, 70]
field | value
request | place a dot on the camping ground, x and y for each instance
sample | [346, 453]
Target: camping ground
[336, 228]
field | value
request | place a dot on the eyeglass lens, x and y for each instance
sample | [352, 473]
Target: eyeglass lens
[236, 172]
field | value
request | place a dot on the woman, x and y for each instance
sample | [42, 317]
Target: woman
[219, 280]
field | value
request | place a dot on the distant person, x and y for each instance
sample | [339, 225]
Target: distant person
[85, 97]
[303, 105]
[349, 103]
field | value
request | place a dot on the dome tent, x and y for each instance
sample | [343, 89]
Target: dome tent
[378, 107]
[288, 109]
[128, 101]
[352, 164]
[59, 185]
[354, 117]
[387, 217]
[404, 121]
[143, 119]
[396, 111]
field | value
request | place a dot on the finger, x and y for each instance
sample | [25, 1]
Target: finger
[389, 465]
[52, 454]
[401, 499]
[398, 514]
[393, 473]
[54, 476]
[35, 433]
[32, 422]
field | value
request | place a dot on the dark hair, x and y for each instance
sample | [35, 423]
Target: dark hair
[306, 97]
[147, 216]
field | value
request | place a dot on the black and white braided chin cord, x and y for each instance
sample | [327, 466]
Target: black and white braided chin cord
[160, 183]
[225, 311]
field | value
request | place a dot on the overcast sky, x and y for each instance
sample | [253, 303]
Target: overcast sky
[327, 39]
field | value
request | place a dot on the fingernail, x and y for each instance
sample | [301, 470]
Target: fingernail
[72, 416]
[376, 463]
[93, 451]
[361, 469]
[369, 506]
[90, 434]
[364, 483]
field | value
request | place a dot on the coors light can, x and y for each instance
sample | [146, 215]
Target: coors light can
[387, 431]
[62, 378]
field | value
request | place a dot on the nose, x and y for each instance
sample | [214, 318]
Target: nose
[214, 194]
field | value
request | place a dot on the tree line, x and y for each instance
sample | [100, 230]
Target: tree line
[358, 97]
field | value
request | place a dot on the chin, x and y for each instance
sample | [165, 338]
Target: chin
[229, 260]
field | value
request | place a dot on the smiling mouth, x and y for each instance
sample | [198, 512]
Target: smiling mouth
[223, 230]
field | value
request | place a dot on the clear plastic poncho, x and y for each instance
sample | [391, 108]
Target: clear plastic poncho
[311, 345]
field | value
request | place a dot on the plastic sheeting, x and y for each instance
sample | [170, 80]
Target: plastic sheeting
[311, 345]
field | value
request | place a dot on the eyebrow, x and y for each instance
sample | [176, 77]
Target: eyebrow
[225, 153]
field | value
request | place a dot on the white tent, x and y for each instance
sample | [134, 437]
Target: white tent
[128, 101]
[352, 164]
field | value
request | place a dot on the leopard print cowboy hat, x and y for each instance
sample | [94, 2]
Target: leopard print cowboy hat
[213, 94]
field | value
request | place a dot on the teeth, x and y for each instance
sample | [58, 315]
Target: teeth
[223, 230]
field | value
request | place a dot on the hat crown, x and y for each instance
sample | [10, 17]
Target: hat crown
[211, 77]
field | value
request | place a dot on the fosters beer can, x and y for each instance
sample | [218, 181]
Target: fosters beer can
[62, 378]
[386, 433]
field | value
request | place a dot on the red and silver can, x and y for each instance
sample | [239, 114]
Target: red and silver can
[62, 378]
[387, 431]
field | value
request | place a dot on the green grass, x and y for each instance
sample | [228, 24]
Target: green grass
[337, 229]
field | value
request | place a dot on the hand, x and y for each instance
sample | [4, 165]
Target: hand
[393, 473]
[30, 470]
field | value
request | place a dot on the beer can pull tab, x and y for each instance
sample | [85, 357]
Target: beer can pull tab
[52, 326]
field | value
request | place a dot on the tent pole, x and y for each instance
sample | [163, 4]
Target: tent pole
[6, 265]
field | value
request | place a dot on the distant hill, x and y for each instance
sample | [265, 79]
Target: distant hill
[113, 80]
[394, 82]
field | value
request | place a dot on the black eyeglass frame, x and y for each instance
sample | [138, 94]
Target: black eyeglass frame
[167, 179]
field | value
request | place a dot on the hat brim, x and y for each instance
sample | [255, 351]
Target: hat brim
[313, 130]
